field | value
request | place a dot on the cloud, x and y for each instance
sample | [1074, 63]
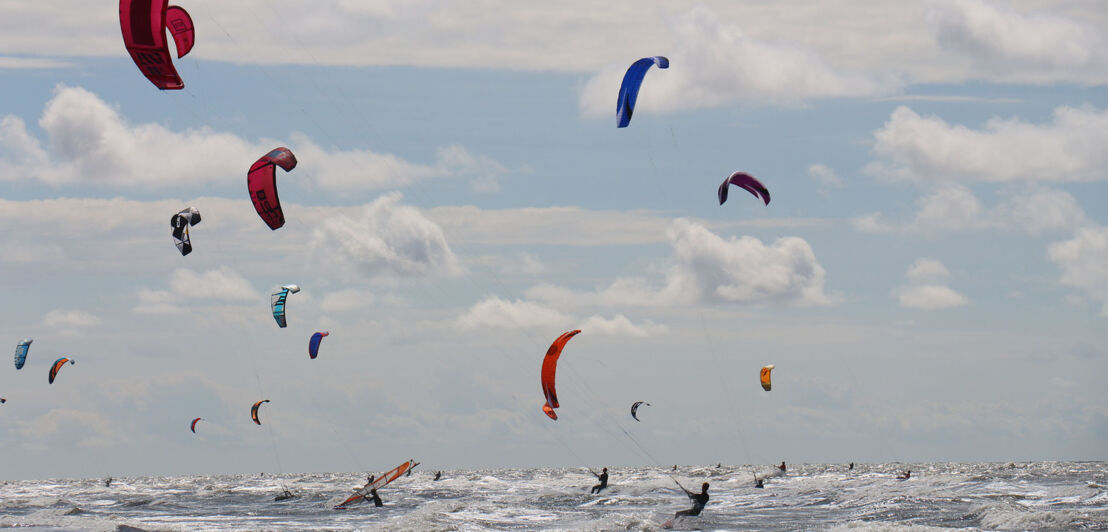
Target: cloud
[69, 319]
[707, 268]
[506, 314]
[223, 284]
[346, 300]
[1084, 263]
[927, 149]
[714, 63]
[1003, 45]
[367, 170]
[494, 312]
[91, 142]
[825, 176]
[1032, 209]
[29, 63]
[619, 325]
[743, 269]
[925, 290]
[388, 239]
[924, 270]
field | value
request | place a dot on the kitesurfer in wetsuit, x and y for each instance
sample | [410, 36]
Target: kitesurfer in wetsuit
[438, 475]
[108, 482]
[782, 467]
[698, 499]
[851, 468]
[369, 479]
[374, 497]
[907, 475]
[759, 483]
[603, 476]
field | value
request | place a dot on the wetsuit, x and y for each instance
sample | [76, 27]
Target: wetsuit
[698, 499]
[438, 475]
[603, 482]
[373, 496]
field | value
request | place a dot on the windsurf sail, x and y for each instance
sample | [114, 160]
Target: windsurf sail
[379, 482]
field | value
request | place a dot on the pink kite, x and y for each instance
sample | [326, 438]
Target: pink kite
[143, 23]
[262, 182]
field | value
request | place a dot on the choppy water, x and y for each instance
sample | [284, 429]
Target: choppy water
[958, 496]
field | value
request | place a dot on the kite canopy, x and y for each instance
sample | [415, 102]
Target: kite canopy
[180, 26]
[262, 182]
[21, 349]
[766, 384]
[746, 182]
[629, 89]
[379, 482]
[277, 302]
[143, 23]
[192, 426]
[253, 412]
[58, 367]
[313, 344]
[635, 409]
[549, 367]
[180, 223]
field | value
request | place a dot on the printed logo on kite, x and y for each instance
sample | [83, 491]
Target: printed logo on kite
[144, 23]
[549, 367]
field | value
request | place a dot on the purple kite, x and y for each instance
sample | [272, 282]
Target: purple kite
[747, 182]
[143, 23]
[262, 182]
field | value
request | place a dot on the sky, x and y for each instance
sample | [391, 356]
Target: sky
[930, 278]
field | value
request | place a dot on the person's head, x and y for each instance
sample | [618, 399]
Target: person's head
[704, 488]
[373, 491]
[604, 470]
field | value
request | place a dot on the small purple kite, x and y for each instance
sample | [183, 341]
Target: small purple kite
[747, 182]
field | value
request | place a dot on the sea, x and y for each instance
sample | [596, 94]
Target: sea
[938, 496]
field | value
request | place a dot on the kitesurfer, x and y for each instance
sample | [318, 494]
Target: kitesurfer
[907, 475]
[284, 496]
[369, 479]
[603, 477]
[374, 497]
[698, 499]
[438, 475]
[759, 483]
[782, 467]
[851, 468]
[108, 482]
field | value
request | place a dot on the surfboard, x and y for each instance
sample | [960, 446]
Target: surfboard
[381, 481]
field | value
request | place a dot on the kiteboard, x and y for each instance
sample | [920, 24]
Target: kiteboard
[381, 481]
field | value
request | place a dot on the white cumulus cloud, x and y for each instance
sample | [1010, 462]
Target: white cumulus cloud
[926, 289]
[92, 142]
[387, 239]
[928, 149]
[717, 63]
[1002, 44]
[1084, 263]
